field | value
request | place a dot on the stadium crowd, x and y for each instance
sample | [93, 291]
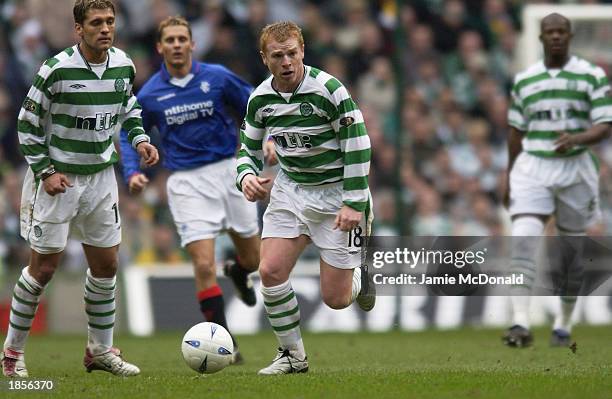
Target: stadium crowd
[454, 61]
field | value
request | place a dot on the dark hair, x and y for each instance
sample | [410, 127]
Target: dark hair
[176, 20]
[82, 6]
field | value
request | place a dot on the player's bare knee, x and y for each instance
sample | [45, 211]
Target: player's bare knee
[43, 266]
[105, 268]
[272, 274]
[204, 268]
[336, 301]
[44, 272]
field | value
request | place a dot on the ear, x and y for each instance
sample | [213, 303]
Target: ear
[78, 28]
[263, 58]
[158, 47]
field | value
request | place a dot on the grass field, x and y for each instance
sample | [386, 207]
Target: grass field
[452, 364]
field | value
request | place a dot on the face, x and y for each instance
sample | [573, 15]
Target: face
[555, 36]
[98, 29]
[285, 60]
[176, 46]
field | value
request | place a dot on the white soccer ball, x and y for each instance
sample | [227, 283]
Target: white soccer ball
[207, 348]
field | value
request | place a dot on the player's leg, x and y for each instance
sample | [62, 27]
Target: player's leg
[577, 206]
[344, 274]
[26, 296]
[189, 193]
[526, 232]
[100, 287]
[278, 257]
[339, 287]
[98, 228]
[247, 261]
[210, 296]
[244, 230]
[45, 226]
[531, 203]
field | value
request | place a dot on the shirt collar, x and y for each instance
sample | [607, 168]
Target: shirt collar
[195, 68]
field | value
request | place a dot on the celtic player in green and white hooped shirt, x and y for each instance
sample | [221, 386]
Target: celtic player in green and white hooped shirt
[71, 113]
[319, 134]
[320, 195]
[560, 105]
[570, 99]
[75, 105]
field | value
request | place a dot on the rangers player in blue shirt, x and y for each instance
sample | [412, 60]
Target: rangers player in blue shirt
[189, 103]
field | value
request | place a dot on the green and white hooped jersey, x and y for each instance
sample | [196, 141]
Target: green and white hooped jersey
[544, 103]
[319, 135]
[70, 114]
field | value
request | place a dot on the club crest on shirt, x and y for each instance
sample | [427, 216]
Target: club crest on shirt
[205, 87]
[347, 121]
[306, 109]
[119, 85]
[29, 105]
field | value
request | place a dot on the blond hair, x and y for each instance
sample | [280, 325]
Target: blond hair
[176, 20]
[280, 31]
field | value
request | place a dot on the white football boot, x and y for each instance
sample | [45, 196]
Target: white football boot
[13, 364]
[285, 363]
[111, 362]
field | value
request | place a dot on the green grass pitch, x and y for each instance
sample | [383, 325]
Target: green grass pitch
[467, 363]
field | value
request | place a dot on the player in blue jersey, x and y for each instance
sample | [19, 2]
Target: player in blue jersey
[190, 102]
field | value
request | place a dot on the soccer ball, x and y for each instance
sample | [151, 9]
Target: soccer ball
[207, 348]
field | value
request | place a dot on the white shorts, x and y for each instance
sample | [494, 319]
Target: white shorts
[87, 212]
[567, 188]
[205, 201]
[295, 210]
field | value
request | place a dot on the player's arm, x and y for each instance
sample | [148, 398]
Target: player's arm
[593, 135]
[518, 125]
[600, 98]
[131, 121]
[31, 122]
[356, 154]
[133, 175]
[249, 161]
[32, 135]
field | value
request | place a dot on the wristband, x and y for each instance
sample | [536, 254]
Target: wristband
[46, 172]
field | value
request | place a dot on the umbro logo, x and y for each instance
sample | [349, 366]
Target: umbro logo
[77, 86]
[267, 110]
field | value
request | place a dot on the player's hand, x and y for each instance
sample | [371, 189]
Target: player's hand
[148, 153]
[137, 183]
[564, 143]
[270, 153]
[347, 219]
[56, 183]
[253, 189]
